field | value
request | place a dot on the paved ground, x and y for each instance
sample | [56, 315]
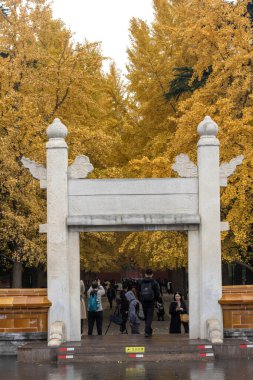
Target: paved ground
[218, 370]
[178, 370]
[159, 327]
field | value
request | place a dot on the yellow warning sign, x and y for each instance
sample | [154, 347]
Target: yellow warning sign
[133, 350]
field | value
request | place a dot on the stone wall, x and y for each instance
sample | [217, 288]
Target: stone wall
[237, 306]
[23, 311]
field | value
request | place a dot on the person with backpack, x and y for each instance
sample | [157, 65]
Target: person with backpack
[95, 309]
[149, 293]
[133, 317]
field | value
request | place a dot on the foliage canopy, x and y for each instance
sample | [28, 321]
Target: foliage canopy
[195, 59]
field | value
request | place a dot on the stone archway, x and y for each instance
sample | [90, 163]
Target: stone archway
[190, 203]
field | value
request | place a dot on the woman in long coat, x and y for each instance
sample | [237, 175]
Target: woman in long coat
[177, 307]
[82, 304]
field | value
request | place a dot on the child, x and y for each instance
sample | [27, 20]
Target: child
[133, 318]
[160, 309]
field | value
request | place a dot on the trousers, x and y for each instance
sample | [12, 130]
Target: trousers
[148, 311]
[95, 316]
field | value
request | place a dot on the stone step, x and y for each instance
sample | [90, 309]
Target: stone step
[234, 348]
[130, 348]
[123, 348]
[83, 350]
[8, 348]
[135, 357]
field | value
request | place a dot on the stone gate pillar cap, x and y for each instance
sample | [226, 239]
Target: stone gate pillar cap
[57, 130]
[207, 127]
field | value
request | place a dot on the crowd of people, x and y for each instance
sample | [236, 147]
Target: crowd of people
[134, 300]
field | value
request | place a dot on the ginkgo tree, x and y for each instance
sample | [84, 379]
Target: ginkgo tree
[43, 76]
[194, 59]
[211, 41]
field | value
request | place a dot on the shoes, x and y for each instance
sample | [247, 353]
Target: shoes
[147, 335]
[124, 332]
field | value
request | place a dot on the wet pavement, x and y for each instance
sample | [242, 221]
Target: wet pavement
[159, 327]
[219, 370]
[10, 369]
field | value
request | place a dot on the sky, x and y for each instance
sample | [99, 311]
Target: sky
[103, 20]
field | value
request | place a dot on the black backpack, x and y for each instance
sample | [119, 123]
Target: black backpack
[147, 292]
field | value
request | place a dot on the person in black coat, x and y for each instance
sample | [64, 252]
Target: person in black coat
[124, 305]
[177, 307]
[111, 294]
[149, 292]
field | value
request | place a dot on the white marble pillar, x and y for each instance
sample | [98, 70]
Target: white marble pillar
[209, 232]
[194, 284]
[57, 230]
[74, 285]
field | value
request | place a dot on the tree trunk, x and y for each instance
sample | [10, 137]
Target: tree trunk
[41, 277]
[185, 282]
[249, 267]
[17, 275]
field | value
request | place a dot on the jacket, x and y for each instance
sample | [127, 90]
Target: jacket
[82, 303]
[100, 292]
[133, 306]
[155, 287]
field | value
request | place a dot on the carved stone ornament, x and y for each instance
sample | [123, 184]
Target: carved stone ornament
[38, 171]
[214, 331]
[228, 168]
[56, 334]
[57, 130]
[184, 166]
[80, 168]
[207, 127]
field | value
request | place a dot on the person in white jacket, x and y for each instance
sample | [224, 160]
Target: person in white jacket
[95, 313]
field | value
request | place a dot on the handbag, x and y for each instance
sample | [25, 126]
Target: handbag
[184, 318]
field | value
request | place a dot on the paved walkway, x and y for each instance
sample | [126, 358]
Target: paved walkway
[159, 327]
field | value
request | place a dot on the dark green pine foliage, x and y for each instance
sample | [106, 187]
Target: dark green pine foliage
[182, 82]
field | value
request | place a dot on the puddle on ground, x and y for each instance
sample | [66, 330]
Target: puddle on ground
[218, 370]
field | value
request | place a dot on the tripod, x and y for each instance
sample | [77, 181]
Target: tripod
[116, 318]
